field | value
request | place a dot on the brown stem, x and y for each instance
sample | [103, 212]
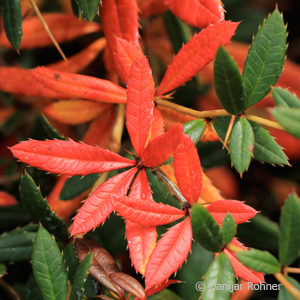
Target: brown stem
[9, 290]
[229, 131]
[292, 270]
[40, 16]
[293, 291]
[172, 187]
[9, 179]
[264, 121]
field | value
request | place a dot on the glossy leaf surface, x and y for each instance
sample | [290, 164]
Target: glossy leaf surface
[48, 268]
[68, 157]
[170, 253]
[88, 8]
[228, 228]
[265, 59]
[194, 129]
[195, 55]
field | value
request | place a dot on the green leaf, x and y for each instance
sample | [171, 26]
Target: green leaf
[80, 277]
[13, 122]
[30, 290]
[71, 260]
[2, 270]
[220, 274]
[289, 239]
[241, 145]
[266, 148]
[12, 216]
[16, 246]
[261, 261]
[205, 229]
[285, 98]
[265, 59]
[87, 8]
[50, 131]
[289, 119]
[228, 83]
[76, 185]
[194, 129]
[228, 228]
[166, 294]
[221, 124]
[284, 294]
[48, 267]
[32, 199]
[178, 32]
[12, 19]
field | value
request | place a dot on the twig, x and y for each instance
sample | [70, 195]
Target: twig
[115, 144]
[40, 16]
[265, 122]
[229, 131]
[172, 187]
[293, 291]
[9, 290]
[292, 270]
[9, 179]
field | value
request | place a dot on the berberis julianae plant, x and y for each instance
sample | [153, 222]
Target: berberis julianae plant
[129, 144]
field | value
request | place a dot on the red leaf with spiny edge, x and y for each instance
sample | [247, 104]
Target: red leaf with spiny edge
[151, 7]
[170, 253]
[97, 207]
[64, 27]
[20, 81]
[199, 13]
[239, 211]
[161, 286]
[242, 271]
[139, 108]
[188, 169]
[196, 54]
[141, 239]
[7, 199]
[119, 18]
[75, 111]
[79, 61]
[70, 85]
[103, 264]
[124, 56]
[68, 157]
[145, 212]
[128, 283]
[162, 147]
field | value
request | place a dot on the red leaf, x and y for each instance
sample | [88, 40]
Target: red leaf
[128, 283]
[139, 110]
[242, 271]
[21, 82]
[6, 199]
[68, 157]
[196, 54]
[75, 111]
[161, 286]
[97, 207]
[64, 27]
[239, 211]
[141, 239]
[170, 253]
[124, 56]
[199, 13]
[145, 212]
[188, 169]
[162, 147]
[79, 61]
[70, 85]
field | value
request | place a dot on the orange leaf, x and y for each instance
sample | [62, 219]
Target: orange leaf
[161, 286]
[157, 126]
[188, 169]
[64, 27]
[80, 86]
[124, 56]
[139, 109]
[97, 207]
[79, 61]
[21, 82]
[170, 253]
[209, 192]
[75, 111]
[196, 54]
[199, 13]
[141, 239]
[6, 199]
